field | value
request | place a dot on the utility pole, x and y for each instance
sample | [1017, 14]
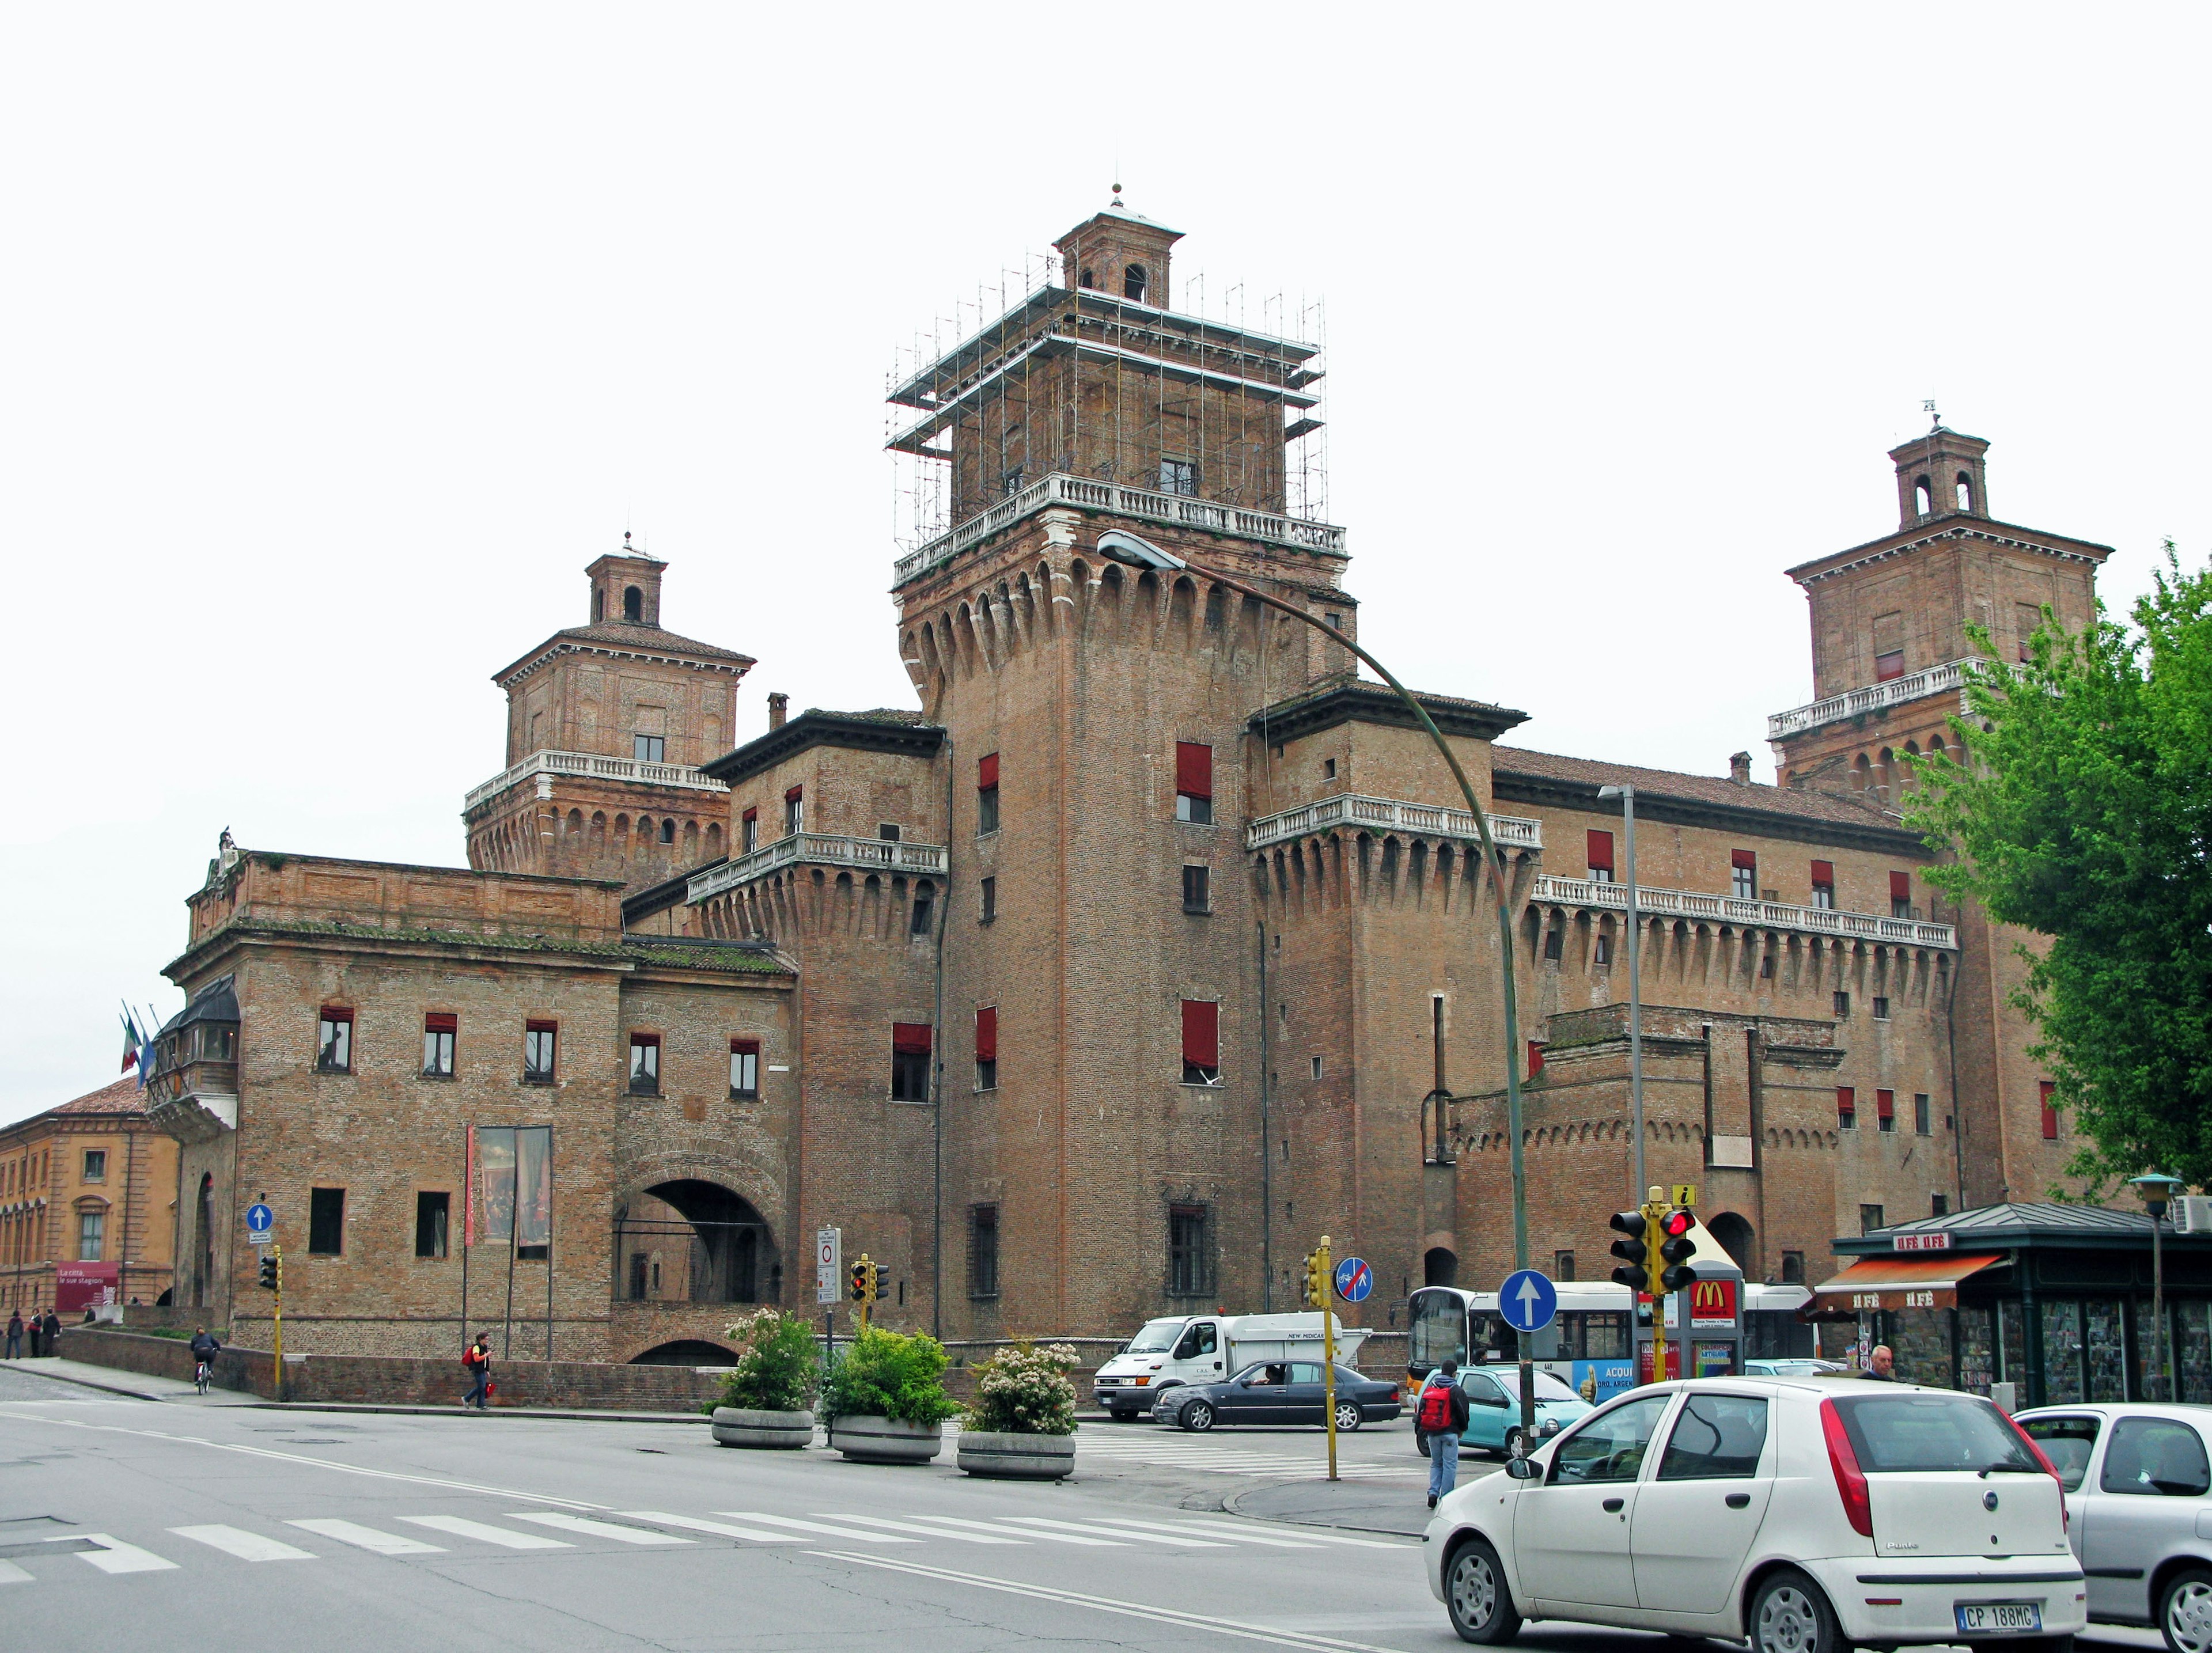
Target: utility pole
[1627, 796]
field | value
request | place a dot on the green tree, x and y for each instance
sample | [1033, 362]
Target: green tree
[2083, 811]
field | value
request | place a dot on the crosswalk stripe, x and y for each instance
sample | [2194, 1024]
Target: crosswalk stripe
[12, 1574]
[1305, 1535]
[814, 1527]
[1118, 1534]
[720, 1526]
[115, 1556]
[246, 1547]
[1025, 1531]
[367, 1538]
[459, 1526]
[590, 1528]
[1114, 1524]
[925, 1530]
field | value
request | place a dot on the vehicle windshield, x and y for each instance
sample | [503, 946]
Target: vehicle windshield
[1549, 1388]
[1891, 1432]
[2067, 1442]
[1157, 1337]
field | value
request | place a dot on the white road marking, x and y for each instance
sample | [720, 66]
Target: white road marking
[12, 1574]
[814, 1527]
[115, 1556]
[1117, 1523]
[590, 1528]
[367, 1538]
[1024, 1530]
[1233, 1530]
[1250, 1632]
[460, 1527]
[919, 1526]
[721, 1527]
[1142, 1538]
[246, 1547]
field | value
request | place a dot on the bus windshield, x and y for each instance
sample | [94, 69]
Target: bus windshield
[1157, 1337]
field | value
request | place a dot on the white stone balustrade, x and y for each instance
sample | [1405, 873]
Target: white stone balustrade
[1853, 703]
[1389, 815]
[1759, 914]
[598, 768]
[818, 849]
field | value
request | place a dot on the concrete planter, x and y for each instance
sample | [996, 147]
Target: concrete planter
[879, 1440]
[1016, 1457]
[735, 1427]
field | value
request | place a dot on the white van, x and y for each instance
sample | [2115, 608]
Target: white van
[1210, 1349]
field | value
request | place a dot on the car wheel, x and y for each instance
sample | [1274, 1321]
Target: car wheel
[1788, 1614]
[1421, 1444]
[2185, 1611]
[1475, 1596]
[1196, 1415]
[1347, 1415]
[1512, 1448]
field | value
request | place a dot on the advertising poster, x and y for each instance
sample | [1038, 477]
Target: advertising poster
[1599, 1381]
[533, 1186]
[495, 1169]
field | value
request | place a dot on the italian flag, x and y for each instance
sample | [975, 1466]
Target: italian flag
[129, 1046]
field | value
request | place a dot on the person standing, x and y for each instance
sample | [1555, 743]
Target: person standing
[1881, 1366]
[53, 1333]
[36, 1331]
[15, 1334]
[476, 1360]
[1440, 1418]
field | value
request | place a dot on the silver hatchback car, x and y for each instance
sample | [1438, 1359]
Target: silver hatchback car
[2139, 1481]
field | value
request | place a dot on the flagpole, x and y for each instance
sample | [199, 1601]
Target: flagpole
[468, 1218]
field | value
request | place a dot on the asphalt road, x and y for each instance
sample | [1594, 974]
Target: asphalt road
[210, 1524]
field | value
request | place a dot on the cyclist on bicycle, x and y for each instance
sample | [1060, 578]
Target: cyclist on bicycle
[205, 1346]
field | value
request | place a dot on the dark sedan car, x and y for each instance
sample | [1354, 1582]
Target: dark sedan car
[1278, 1392]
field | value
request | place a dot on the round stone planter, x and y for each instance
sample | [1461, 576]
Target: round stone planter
[879, 1440]
[735, 1427]
[1016, 1457]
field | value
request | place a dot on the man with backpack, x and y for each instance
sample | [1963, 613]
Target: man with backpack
[1440, 1418]
[476, 1360]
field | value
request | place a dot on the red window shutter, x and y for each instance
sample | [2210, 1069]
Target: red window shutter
[794, 795]
[910, 1038]
[1744, 858]
[541, 1027]
[1847, 1103]
[987, 773]
[750, 815]
[1601, 850]
[2050, 1113]
[333, 1013]
[439, 1022]
[1201, 1032]
[1884, 1104]
[1900, 886]
[1824, 872]
[745, 1047]
[1535, 1058]
[652, 1039]
[986, 1033]
[1193, 770]
[1888, 668]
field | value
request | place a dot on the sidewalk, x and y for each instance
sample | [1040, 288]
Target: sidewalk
[139, 1386]
[1359, 1507]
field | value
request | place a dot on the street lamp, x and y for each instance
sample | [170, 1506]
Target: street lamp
[1627, 796]
[1125, 547]
[2156, 1188]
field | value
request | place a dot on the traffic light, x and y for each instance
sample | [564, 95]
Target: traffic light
[1634, 1251]
[1676, 1250]
[864, 1285]
[267, 1273]
[1316, 1282]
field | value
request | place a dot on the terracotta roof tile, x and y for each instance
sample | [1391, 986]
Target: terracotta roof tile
[122, 1097]
[1803, 802]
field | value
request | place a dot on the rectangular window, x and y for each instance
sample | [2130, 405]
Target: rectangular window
[1847, 1107]
[1824, 884]
[887, 832]
[1792, 1268]
[987, 1048]
[1179, 476]
[1921, 1122]
[645, 1064]
[1328, 768]
[744, 1070]
[1316, 1067]
[1010, 482]
[1562, 1265]
[1202, 1042]
[1939, 1205]
[1189, 1273]
[438, 1032]
[1766, 967]
[1885, 1109]
[2046, 1088]
[334, 1041]
[751, 834]
[1900, 895]
[1869, 1218]
[325, 1222]
[794, 811]
[1193, 782]
[1743, 874]
[539, 1043]
[648, 749]
[1601, 948]
[1601, 856]
[983, 1251]
[430, 1216]
[987, 889]
[91, 1235]
[1197, 890]
[918, 924]
[95, 1164]
[1880, 1008]
[1841, 1003]
[910, 1046]
[1554, 942]
[639, 1263]
[1888, 668]
[987, 794]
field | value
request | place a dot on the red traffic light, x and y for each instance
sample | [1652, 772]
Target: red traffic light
[1676, 1223]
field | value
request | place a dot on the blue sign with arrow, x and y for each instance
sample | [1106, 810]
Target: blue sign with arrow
[1528, 1300]
[260, 1221]
[1354, 1280]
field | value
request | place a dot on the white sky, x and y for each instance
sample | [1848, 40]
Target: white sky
[334, 342]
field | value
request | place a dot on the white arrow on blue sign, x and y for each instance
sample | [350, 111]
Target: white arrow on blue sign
[260, 1221]
[1528, 1300]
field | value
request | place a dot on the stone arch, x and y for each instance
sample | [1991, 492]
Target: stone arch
[1734, 1233]
[711, 1243]
[686, 1352]
[1439, 1267]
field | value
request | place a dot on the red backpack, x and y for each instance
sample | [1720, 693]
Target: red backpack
[1436, 1414]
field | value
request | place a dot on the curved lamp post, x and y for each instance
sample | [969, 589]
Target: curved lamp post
[2156, 1188]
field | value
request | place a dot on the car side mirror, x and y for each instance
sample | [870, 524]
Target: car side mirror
[1520, 1469]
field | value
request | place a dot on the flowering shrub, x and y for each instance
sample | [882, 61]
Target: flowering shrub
[777, 1369]
[1025, 1390]
[885, 1375]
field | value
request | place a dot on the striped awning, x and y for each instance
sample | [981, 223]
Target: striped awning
[1923, 1282]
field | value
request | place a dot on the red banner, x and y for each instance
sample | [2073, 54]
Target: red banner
[81, 1285]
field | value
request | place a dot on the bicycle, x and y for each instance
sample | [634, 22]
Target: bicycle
[201, 1376]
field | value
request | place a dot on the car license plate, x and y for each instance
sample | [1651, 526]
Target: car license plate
[1997, 1617]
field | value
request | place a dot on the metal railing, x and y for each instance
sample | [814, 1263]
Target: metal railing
[1763, 914]
[1853, 703]
[1388, 815]
[599, 769]
[1084, 493]
[818, 849]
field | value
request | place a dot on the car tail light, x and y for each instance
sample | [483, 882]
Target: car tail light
[2065, 1515]
[1850, 1480]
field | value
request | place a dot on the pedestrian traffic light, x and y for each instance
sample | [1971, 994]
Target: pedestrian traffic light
[1316, 1282]
[1676, 1250]
[267, 1273]
[1634, 1250]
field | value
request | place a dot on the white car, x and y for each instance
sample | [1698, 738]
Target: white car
[1808, 1515]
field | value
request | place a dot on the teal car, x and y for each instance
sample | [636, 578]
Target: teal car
[1493, 1408]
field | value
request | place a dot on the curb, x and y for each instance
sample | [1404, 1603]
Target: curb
[1232, 1503]
[456, 1410]
[87, 1383]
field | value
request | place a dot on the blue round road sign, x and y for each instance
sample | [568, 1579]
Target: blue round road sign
[1354, 1280]
[1528, 1300]
[259, 1219]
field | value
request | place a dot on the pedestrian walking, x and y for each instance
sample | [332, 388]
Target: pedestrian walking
[1440, 1418]
[476, 1360]
[53, 1333]
[15, 1334]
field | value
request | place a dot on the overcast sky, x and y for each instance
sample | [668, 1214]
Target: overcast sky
[334, 342]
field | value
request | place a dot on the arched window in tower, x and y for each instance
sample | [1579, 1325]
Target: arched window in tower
[1923, 498]
[1133, 282]
[598, 605]
[1087, 279]
[1966, 492]
[633, 604]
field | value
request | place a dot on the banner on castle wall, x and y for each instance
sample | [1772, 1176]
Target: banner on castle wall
[81, 1285]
